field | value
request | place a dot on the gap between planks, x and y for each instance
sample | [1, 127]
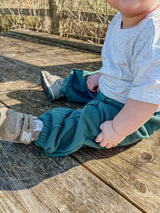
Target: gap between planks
[108, 184]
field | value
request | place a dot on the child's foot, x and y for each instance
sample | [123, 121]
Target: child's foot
[52, 85]
[18, 127]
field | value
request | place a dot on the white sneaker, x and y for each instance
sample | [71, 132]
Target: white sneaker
[52, 85]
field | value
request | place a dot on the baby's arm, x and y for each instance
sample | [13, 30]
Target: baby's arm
[93, 82]
[132, 116]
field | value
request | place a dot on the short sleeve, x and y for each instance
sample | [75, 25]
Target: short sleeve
[146, 67]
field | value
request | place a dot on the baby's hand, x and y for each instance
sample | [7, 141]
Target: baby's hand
[108, 137]
[93, 82]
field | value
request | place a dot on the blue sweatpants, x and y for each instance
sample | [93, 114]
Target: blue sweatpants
[66, 130]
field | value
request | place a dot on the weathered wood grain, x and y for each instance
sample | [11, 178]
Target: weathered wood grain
[32, 182]
[34, 55]
[29, 180]
[133, 171]
[53, 40]
[133, 191]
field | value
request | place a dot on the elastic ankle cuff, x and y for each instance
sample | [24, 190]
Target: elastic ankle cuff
[47, 124]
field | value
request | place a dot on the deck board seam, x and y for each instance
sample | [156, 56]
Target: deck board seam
[29, 67]
[109, 185]
[24, 67]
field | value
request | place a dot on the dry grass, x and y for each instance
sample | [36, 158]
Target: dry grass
[79, 24]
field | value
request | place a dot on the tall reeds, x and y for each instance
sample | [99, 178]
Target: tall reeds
[82, 19]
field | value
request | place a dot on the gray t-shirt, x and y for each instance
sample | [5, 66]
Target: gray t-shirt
[131, 61]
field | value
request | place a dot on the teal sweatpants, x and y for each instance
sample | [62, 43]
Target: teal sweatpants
[66, 130]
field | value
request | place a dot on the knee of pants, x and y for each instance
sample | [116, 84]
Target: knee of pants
[94, 114]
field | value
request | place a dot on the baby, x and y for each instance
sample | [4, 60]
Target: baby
[122, 99]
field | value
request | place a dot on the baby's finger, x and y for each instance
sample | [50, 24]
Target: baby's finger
[89, 85]
[99, 138]
[101, 127]
[103, 143]
[92, 88]
[108, 146]
[88, 79]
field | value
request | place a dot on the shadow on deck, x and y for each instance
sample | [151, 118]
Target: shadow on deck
[121, 179]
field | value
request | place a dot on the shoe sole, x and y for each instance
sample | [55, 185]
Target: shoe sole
[46, 87]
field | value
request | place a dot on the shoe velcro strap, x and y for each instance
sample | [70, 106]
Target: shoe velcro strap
[26, 135]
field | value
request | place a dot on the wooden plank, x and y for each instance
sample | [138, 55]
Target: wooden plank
[133, 171]
[123, 175]
[16, 49]
[22, 52]
[53, 40]
[18, 83]
[33, 182]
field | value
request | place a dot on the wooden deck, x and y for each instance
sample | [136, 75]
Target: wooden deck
[89, 181]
